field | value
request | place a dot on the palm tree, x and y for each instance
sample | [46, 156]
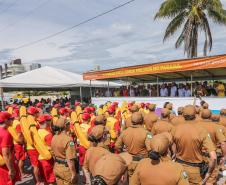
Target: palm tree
[193, 15]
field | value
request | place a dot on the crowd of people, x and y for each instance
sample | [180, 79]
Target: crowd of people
[113, 144]
[166, 90]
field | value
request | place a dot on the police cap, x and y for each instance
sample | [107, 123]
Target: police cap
[151, 107]
[206, 114]
[137, 118]
[189, 110]
[134, 108]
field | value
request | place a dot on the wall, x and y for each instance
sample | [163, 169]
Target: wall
[215, 103]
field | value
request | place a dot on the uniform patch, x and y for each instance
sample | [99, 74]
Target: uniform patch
[220, 130]
[185, 175]
[149, 136]
[209, 136]
[72, 143]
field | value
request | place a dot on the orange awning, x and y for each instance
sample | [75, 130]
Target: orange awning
[207, 66]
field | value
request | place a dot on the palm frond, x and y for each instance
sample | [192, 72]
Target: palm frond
[182, 35]
[208, 36]
[170, 8]
[217, 17]
[175, 24]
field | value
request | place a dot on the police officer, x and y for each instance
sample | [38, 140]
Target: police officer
[223, 117]
[97, 136]
[128, 121]
[99, 120]
[158, 168]
[216, 119]
[217, 137]
[136, 140]
[169, 106]
[163, 124]
[150, 118]
[179, 119]
[110, 169]
[189, 139]
[64, 154]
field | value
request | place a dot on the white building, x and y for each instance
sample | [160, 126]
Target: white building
[15, 67]
[35, 66]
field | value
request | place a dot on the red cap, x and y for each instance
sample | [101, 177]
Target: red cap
[87, 109]
[7, 107]
[67, 104]
[92, 109]
[115, 103]
[68, 110]
[147, 104]
[57, 105]
[32, 110]
[86, 116]
[39, 104]
[77, 103]
[63, 111]
[142, 105]
[16, 113]
[130, 104]
[4, 116]
[111, 110]
[48, 117]
[43, 118]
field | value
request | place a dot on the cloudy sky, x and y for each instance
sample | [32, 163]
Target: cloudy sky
[127, 36]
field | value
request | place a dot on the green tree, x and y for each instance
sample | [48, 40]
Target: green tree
[192, 17]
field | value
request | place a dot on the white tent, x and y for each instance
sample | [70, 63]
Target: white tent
[49, 77]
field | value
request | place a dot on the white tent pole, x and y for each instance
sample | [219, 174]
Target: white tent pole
[108, 89]
[191, 84]
[90, 88]
[81, 94]
[2, 97]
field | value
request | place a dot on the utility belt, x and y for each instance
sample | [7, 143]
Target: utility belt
[61, 161]
[203, 166]
[98, 180]
[137, 158]
[219, 156]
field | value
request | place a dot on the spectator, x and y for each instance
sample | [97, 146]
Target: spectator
[181, 91]
[154, 91]
[173, 90]
[125, 91]
[163, 91]
[116, 92]
[187, 91]
[149, 90]
[220, 89]
[132, 92]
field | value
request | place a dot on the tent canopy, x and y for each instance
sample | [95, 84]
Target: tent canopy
[50, 78]
[206, 68]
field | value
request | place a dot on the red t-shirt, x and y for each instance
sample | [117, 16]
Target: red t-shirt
[6, 140]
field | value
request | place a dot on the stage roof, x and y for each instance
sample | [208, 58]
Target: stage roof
[206, 68]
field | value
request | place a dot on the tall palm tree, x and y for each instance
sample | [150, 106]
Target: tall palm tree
[193, 15]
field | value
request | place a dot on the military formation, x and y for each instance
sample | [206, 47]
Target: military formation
[112, 144]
